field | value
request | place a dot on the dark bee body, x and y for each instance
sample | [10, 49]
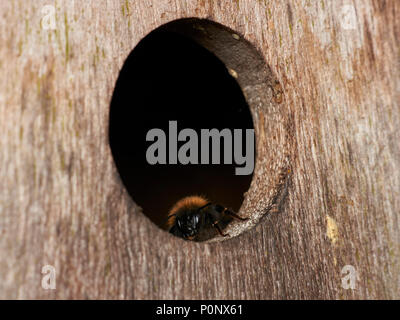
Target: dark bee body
[194, 218]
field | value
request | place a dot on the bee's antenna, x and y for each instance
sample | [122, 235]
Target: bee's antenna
[205, 206]
[168, 223]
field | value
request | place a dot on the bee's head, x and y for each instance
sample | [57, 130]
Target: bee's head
[188, 224]
[186, 218]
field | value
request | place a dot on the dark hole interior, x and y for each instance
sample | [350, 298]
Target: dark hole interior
[170, 77]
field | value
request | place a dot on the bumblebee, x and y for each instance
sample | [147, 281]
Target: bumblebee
[195, 218]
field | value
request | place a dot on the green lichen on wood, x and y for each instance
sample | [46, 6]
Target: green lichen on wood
[67, 47]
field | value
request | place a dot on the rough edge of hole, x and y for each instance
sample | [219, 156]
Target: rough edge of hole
[272, 121]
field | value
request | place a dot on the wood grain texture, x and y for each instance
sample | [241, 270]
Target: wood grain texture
[62, 202]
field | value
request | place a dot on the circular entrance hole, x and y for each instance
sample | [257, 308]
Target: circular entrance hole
[188, 74]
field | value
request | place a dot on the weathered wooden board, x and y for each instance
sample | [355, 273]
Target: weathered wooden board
[62, 202]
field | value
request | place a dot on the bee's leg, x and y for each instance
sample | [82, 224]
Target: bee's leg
[215, 215]
[216, 226]
[224, 210]
[230, 213]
